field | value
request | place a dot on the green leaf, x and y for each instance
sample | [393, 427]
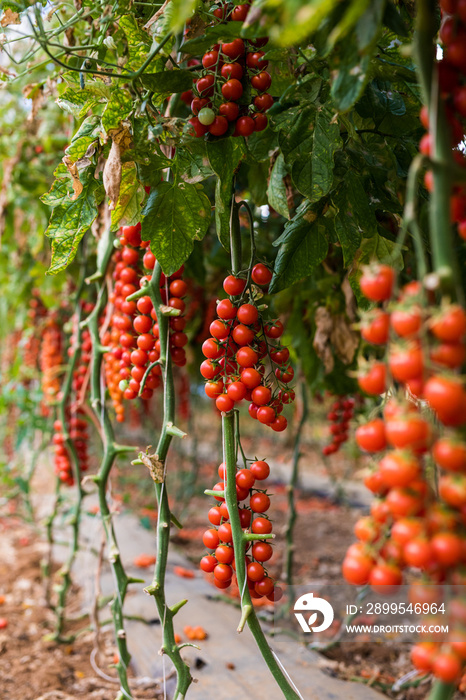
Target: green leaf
[351, 77]
[169, 81]
[60, 192]
[175, 215]
[296, 127]
[355, 218]
[302, 247]
[257, 182]
[261, 144]
[298, 19]
[192, 162]
[313, 173]
[393, 21]
[369, 25]
[118, 107]
[352, 14]
[128, 207]
[87, 133]
[224, 157]
[138, 42]
[213, 35]
[70, 220]
[76, 102]
[181, 11]
[276, 191]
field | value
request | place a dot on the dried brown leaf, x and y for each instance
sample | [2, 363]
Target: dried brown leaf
[73, 171]
[112, 174]
[9, 17]
[344, 340]
[321, 343]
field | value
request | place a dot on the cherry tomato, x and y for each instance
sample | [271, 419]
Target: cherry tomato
[399, 468]
[206, 116]
[256, 60]
[261, 275]
[224, 403]
[375, 327]
[371, 436]
[260, 121]
[374, 380]
[210, 59]
[246, 357]
[219, 126]
[265, 415]
[406, 363]
[262, 551]
[233, 49]
[226, 310]
[384, 578]
[233, 286]
[199, 129]
[232, 89]
[260, 470]
[232, 70]
[239, 13]
[208, 563]
[446, 666]
[444, 394]
[450, 454]
[357, 570]
[447, 548]
[423, 655]
[450, 355]
[406, 323]
[211, 539]
[244, 126]
[409, 431]
[261, 395]
[377, 282]
[262, 81]
[229, 110]
[261, 526]
[259, 502]
[205, 85]
[450, 325]
[263, 102]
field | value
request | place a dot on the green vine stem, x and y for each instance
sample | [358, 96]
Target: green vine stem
[75, 520]
[240, 541]
[292, 515]
[441, 238]
[110, 451]
[46, 564]
[168, 431]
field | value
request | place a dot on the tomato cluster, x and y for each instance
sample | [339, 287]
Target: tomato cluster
[36, 313]
[133, 335]
[240, 344]
[219, 539]
[221, 98]
[451, 69]
[341, 413]
[409, 526]
[50, 359]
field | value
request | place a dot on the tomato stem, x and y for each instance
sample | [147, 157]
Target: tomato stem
[440, 229]
[240, 539]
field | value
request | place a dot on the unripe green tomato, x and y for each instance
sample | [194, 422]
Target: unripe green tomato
[123, 384]
[206, 116]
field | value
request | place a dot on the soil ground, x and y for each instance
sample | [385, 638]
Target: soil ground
[31, 667]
